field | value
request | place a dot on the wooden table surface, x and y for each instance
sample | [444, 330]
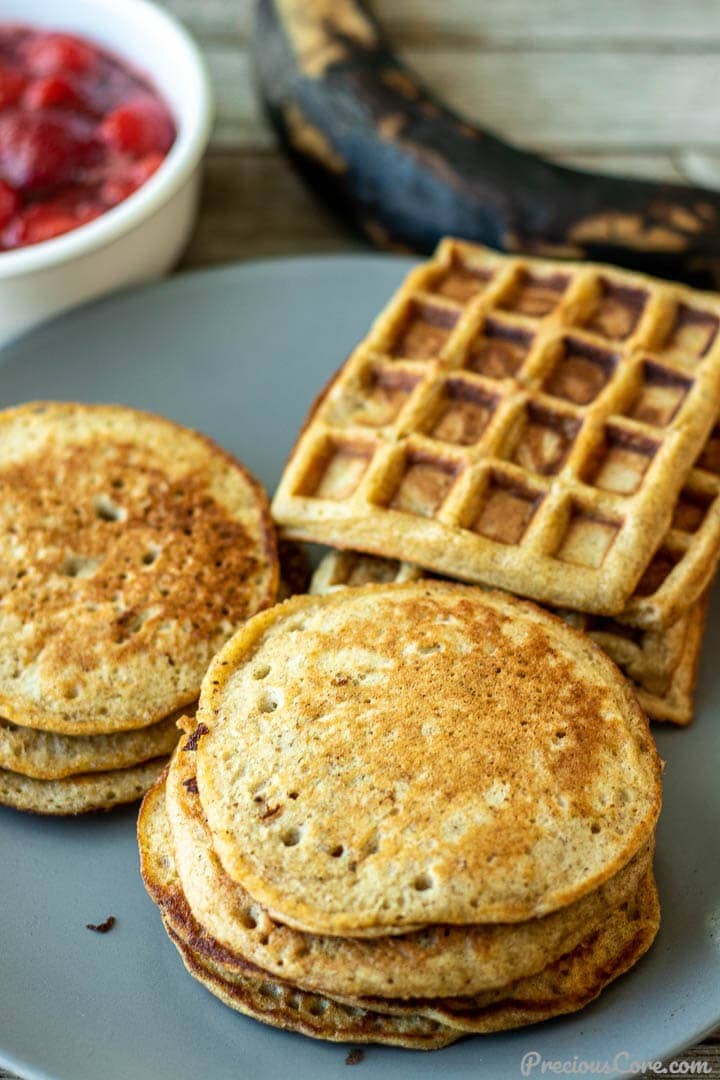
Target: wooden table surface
[624, 85]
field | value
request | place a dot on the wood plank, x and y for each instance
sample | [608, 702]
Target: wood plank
[640, 24]
[625, 163]
[681, 166]
[557, 99]
[255, 206]
[218, 20]
[546, 100]
[238, 119]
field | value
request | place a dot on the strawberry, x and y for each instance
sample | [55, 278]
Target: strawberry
[44, 150]
[58, 54]
[139, 127]
[43, 221]
[51, 91]
[120, 186]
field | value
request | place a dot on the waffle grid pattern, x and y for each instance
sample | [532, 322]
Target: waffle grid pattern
[524, 424]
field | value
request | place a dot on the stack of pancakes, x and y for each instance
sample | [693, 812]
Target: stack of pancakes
[549, 428]
[383, 827]
[130, 550]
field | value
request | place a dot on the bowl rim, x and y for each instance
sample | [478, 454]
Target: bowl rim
[181, 161]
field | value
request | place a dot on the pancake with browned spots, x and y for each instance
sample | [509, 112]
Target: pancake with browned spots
[564, 987]
[316, 1015]
[437, 961]
[661, 664]
[394, 756]
[567, 984]
[131, 548]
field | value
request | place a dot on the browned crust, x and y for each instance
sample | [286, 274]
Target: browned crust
[264, 544]
[662, 670]
[268, 527]
[364, 1026]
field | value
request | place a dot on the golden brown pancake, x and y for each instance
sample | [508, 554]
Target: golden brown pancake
[388, 757]
[131, 548]
[565, 985]
[661, 664]
[434, 962]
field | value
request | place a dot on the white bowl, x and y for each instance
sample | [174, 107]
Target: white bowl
[141, 238]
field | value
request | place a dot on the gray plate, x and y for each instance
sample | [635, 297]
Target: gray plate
[239, 353]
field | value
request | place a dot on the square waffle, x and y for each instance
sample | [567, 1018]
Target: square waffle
[661, 664]
[520, 423]
[685, 563]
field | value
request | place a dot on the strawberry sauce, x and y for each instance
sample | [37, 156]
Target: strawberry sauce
[80, 131]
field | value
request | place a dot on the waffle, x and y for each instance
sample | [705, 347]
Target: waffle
[680, 571]
[662, 664]
[519, 423]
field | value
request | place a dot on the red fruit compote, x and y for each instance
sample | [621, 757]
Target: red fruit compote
[80, 131]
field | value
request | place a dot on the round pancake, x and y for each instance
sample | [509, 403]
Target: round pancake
[45, 755]
[397, 755]
[566, 985]
[130, 549]
[435, 962]
[78, 794]
[251, 991]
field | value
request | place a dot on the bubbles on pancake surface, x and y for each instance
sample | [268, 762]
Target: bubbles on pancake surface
[107, 509]
[458, 730]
